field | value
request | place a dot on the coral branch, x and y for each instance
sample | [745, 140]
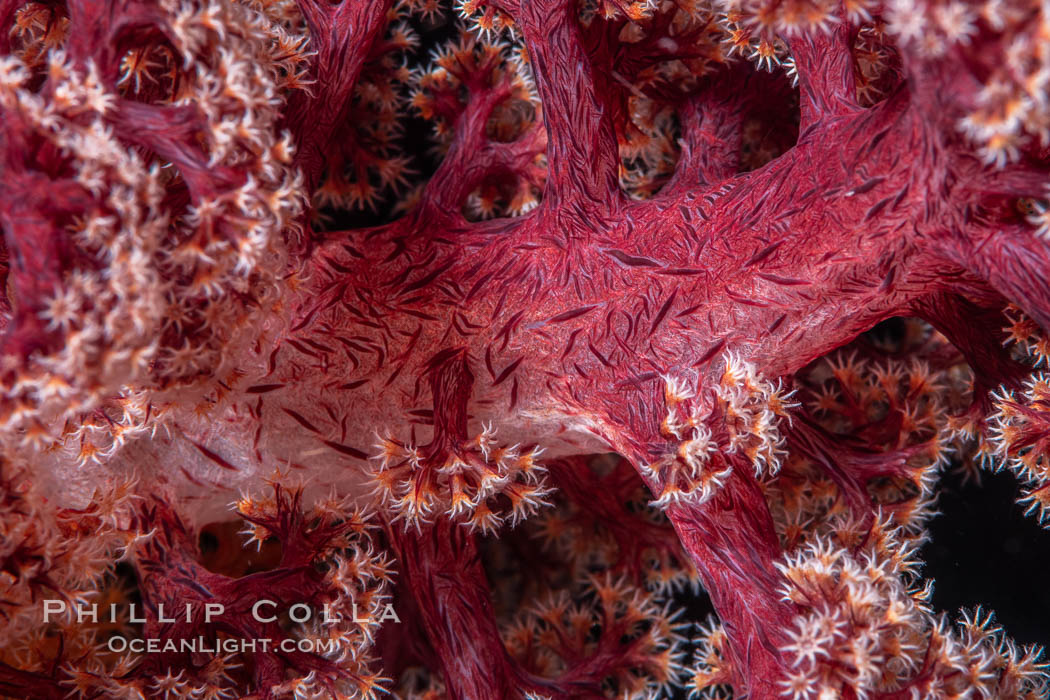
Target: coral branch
[441, 569]
[340, 37]
[712, 136]
[482, 150]
[581, 145]
[1012, 260]
[991, 363]
[824, 64]
[604, 507]
[732, 540]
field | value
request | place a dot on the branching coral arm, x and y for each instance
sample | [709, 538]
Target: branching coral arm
[712, 124]
[29, 204]
[806, 437]
[473, 157]
[171, 132]
[465, 167]
[824, 63]
[1010, 259]
[581, 150]
[442, 571]
[606, 500]
[732, 540]
[660, 278]
[954, 316]
[340, 35]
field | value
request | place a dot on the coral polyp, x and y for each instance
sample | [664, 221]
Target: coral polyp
[450, 350]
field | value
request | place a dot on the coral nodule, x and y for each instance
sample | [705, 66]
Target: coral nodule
[411, 348]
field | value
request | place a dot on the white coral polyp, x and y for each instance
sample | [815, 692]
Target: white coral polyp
[737, 416]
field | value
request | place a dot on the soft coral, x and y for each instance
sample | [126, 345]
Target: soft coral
[560, 326]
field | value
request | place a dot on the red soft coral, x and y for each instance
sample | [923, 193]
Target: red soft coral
[649, 219]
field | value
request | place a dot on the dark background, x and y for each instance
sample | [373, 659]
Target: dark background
[985, 551]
